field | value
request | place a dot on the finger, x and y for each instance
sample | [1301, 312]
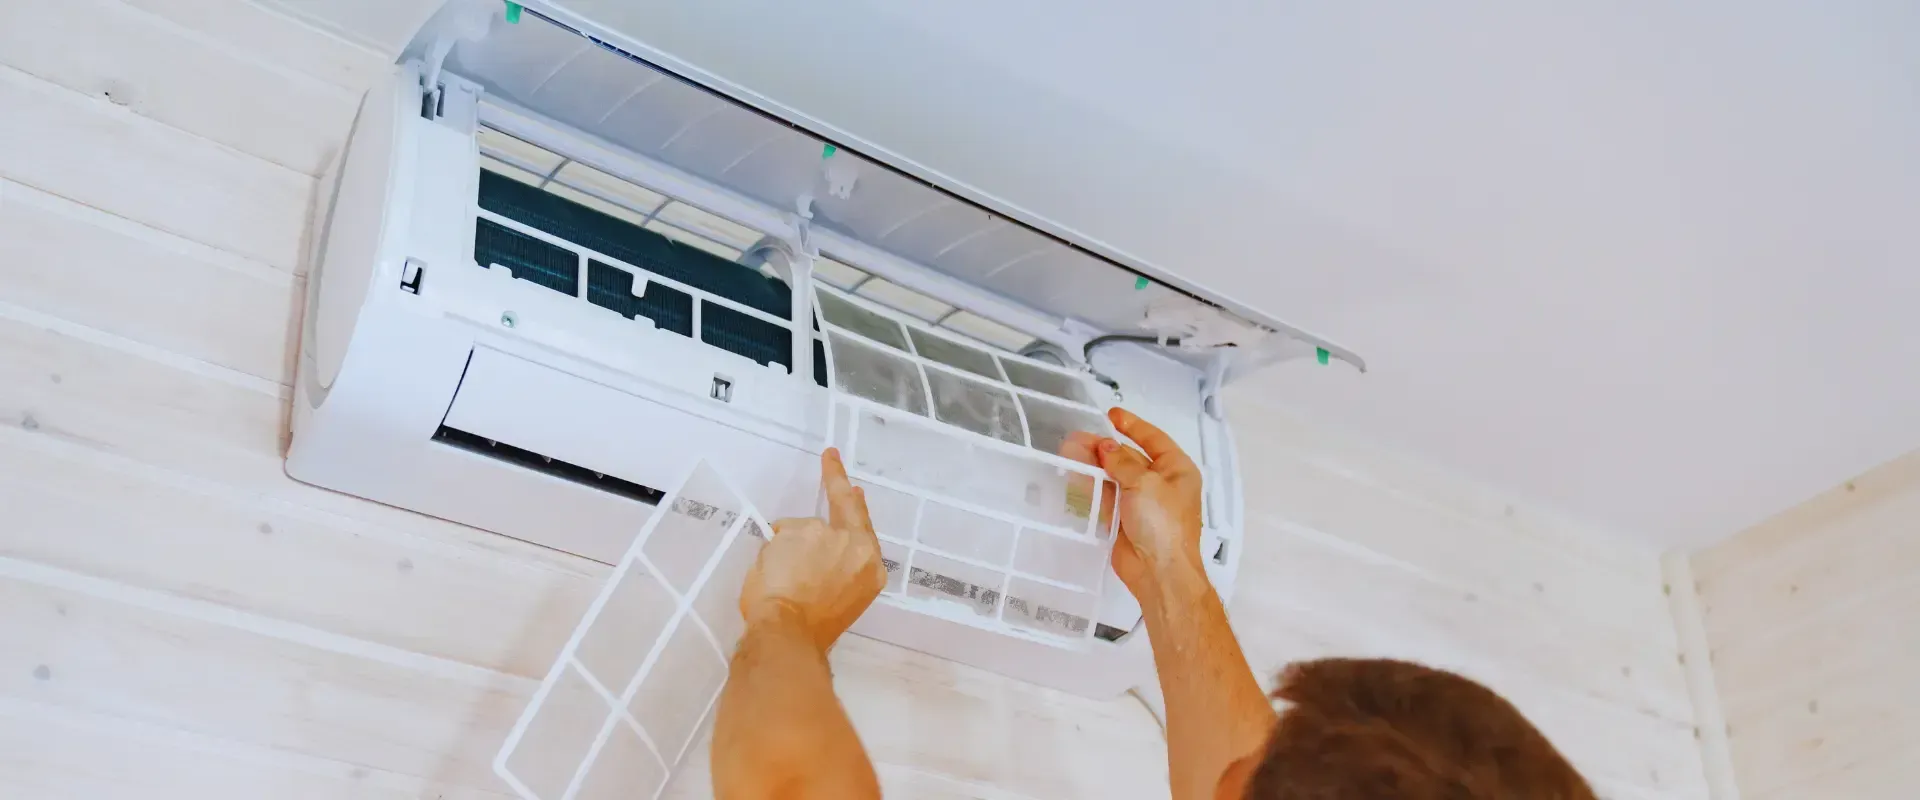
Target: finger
[846, 504]
[1160, 447]
[1125, 464]
[783, 525]
[1079, 446]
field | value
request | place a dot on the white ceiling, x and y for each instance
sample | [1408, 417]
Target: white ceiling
[1656, 264]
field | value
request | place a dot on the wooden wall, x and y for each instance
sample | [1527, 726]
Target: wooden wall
[179, 619]
[1813, 618]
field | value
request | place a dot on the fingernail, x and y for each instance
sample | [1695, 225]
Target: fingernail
[833, 453]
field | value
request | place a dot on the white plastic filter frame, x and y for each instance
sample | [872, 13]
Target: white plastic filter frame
[979, 531]
[981, 521]
[1058, 397]
[636, 682]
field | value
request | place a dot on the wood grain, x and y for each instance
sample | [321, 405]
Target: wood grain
[172, 74]
[91, 151]
[1813, 620]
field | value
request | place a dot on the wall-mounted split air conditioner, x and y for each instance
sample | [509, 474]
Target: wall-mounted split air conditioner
[549, 276]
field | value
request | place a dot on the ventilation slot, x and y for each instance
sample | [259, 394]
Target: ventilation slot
[539, 463]
[611, 287]
[529, 259]
[752, 337]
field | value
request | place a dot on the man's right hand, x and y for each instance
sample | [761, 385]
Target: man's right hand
[1159, 505]
[819, 573]
[1216, 714]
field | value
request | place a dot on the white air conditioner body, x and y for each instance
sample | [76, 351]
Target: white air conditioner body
[526, 402]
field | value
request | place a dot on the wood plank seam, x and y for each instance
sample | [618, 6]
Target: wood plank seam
[230, 49]
[1441, 509]
[213, 490]
[12, 191]
[213, 613]
[57, 95]
[46, 88]
[95, 336]
[45, 716]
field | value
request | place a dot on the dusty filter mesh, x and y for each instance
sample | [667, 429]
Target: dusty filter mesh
[638, 679]
[979, 531]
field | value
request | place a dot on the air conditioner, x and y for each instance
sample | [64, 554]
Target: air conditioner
[549, 275]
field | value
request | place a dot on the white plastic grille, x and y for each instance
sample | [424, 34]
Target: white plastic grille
[959, 448]
[619, 709]
[980, 531]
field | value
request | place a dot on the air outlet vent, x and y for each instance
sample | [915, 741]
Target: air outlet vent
[481, 445]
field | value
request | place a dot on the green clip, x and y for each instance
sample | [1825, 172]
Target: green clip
[828, 151]
[1140, 283]
[513, 13]
[1320, 353]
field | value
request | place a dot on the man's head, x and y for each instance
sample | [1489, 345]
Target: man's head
[1356, 729]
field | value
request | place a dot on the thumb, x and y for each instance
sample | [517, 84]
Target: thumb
[1125, 464]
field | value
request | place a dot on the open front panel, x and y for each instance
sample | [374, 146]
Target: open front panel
[583, 64]
[630, 690]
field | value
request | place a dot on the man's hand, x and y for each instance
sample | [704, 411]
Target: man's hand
[779, 731]
[1216, 713]
[1159, 500]
[821, 574]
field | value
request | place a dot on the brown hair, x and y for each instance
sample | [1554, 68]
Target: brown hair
[1359, 729]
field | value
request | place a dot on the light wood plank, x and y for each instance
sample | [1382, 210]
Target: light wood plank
[1789, 528]
[1854, 719]
[1319, 579]
[939, 730]
[1356, 613]
[1889, 778]
[86, 266]
[170, 74]
[982, 728]
[105, 156]
[1845, 560]
[160, 532]
[271, 37]
[266, 683]
[1260, 424]
[383, 26]
[80, 651]
[106, 395]
[1821, 644]
[51, 753]
[1813, 617]
[1284, 487]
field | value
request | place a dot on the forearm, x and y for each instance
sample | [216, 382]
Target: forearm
[780, 732]
[1216, 713]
